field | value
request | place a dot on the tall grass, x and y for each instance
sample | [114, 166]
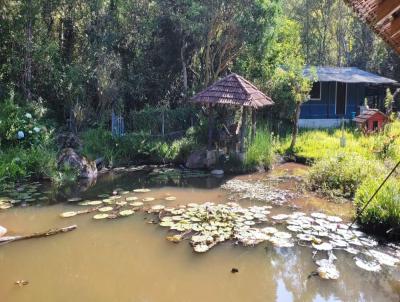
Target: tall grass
[342, 174]
[260, 151]
[313, 145]
[383, 213]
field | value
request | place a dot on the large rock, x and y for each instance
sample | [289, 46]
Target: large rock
[202, 159]
[85, 167]
[197, 160]
[68, 140]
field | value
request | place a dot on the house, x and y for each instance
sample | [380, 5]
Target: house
[371, 120]
[339, 92]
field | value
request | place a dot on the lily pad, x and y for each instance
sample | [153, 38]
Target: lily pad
[170, 198]
[101, 216]
[157, 208]
[174, 238]
[68, 214]
[136, 204]
[305, 237]
[325, 246]
[94, 202]
[280, 217]
[147, 199]
[5, 206]
[371, 266]
[269, 230]
[106, 209]
[141, 190]
[283, 235]
[334, 219]
[318, 215]
[201, 248]
[131, 198]
[327, 270]
[383, 258]
[126, 212]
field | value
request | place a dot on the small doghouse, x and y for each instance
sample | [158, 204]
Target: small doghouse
[371, 120]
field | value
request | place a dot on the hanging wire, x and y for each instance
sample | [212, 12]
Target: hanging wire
[376, 192]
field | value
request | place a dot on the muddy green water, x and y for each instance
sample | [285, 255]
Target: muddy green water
[129, 259]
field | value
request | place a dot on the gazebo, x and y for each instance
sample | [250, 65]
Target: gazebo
[233, 90]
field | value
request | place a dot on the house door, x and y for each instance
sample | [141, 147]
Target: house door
[341, 90]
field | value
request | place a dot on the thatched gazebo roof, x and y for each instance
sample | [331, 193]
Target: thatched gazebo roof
[382, 16]
[233, 90]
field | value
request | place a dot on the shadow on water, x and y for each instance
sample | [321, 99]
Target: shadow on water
[129, 180]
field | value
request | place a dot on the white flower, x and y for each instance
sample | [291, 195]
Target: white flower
[20, 134]
[36, 129]
[28, 115]
[30, 132]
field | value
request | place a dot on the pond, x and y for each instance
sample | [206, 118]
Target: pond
[129, 259]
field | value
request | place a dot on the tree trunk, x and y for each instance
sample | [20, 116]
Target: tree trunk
[295, 126]
[28, 56]
[210, 128]
[184, 71]
[243, 130]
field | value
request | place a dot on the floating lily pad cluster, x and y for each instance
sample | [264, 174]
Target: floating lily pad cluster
[21, 195]
[327, 233]
[209, 224]
[257, 191]
[117, 205]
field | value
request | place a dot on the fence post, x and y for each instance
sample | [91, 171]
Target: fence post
[163, 122]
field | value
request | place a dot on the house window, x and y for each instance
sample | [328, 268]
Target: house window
[315, 93]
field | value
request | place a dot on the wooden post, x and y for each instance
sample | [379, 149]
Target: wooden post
[253, 123]
[210, 127]
[243, 130]
[163, 122]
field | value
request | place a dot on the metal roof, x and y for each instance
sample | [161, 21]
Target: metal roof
[233, 90]
[347, 75]
[367, 114]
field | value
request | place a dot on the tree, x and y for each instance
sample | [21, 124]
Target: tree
[289, 87]
[389, 98]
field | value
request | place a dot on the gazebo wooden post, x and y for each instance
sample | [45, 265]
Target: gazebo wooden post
[210, 127]
[243, 130]
[253, 123]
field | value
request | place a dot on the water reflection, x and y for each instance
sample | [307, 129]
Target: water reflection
[292, 268]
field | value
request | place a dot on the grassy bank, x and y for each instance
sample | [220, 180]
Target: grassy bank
[353, 172]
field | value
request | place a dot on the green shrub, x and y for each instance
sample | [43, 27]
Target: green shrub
[135, 147]
[18, 163]
[20, 126]
[341, 175]
[383, 213]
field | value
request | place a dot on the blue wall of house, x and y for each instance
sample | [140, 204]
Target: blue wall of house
[326, 107]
